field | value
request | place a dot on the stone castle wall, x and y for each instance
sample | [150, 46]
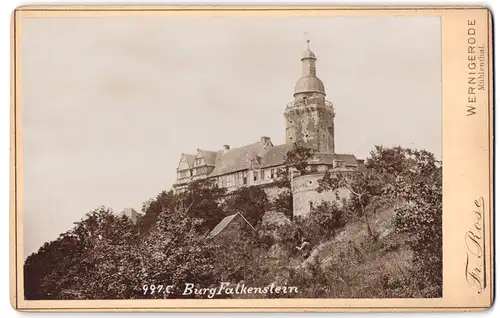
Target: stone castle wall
[306, 195]
[272, 192]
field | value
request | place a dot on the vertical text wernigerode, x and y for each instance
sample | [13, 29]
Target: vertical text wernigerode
[475, 68]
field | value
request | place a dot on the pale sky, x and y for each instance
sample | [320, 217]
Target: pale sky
[109, 104]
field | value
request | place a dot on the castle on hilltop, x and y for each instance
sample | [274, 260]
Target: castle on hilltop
[309, 122]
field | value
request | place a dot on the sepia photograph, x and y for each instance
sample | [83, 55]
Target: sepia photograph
[235, 157]
[232, 157]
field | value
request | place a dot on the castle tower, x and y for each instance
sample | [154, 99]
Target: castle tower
[309, 118]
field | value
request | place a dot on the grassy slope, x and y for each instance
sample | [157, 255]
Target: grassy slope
[354, 265]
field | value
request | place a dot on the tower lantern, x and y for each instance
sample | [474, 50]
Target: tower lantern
[308, 62]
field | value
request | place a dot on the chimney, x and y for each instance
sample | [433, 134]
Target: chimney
[264, 140]
[225, 148]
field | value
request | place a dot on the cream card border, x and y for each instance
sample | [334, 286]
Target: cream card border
[467, 162]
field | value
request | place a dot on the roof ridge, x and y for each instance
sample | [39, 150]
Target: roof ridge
[205, 150]
[247, 145]
[244, 218]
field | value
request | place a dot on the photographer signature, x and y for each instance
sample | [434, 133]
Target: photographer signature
[475, 271]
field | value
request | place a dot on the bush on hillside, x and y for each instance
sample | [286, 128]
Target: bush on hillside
[322, 223]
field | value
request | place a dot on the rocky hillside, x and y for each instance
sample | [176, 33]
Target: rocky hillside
[351, 264]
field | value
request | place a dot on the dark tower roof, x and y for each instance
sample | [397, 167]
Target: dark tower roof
[309, 82]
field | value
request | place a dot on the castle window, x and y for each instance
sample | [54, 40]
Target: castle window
[272, 173]
[255, 176]
[262, 174]
[310, 205]
[244, 180]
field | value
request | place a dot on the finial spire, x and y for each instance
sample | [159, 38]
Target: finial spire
[306, 35]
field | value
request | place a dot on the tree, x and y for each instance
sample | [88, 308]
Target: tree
[420, 218]
[175, 252]
[326, 218]
[321, 223]
[384, 168]
[38, 266]
[299, 157]
[390, 163]
[387, 161]
[284, 203]
[203, 200]
[251, 202]
[91, 261]
[362, 186]
[153, 207]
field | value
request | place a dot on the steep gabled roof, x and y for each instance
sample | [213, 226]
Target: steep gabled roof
[275, 156]
[189, 159]
[237, 159]
[225, 222]
[209, 156]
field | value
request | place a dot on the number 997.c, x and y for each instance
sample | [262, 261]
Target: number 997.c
[153, 289]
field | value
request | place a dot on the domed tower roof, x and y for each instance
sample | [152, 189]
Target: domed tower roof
[309, 82]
